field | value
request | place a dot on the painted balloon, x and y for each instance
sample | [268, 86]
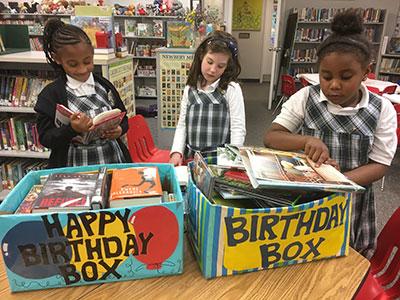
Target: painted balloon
[161, 223]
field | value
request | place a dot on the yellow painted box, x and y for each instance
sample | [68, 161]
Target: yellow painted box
[229, 240]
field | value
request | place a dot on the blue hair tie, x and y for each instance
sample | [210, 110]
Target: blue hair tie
[232, 46]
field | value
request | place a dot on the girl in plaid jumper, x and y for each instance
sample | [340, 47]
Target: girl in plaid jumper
[69, 51]
[340, 122]
[212, 107]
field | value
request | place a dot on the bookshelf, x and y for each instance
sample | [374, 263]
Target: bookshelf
[22, 73]
[390, 68]
[308, 27]
[143, 35]
[35, 23]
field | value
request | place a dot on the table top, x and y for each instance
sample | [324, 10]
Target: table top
[336, 278]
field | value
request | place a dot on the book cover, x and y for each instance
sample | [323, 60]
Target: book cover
[202, 175]
[179, 34]
[229, 157]
[135, 186]
[394, 45]
[130, 27]
[292, 170]
[97, 22]
[26, 205]
[66, 191]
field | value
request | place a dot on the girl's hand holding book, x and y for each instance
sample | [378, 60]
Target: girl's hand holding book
[316, 150]
[80, 122]
[113, 133]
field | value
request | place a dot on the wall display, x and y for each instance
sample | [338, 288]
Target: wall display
[174, 70]
[247, 15]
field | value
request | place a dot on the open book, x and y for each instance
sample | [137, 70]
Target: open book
[276, 169]
[102, 122]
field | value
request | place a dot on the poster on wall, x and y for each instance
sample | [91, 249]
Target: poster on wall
[247, 15]
[174, 71]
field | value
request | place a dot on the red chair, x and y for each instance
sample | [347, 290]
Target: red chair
[288, 88]
[141, 145]
[385, 264]
[371, 76]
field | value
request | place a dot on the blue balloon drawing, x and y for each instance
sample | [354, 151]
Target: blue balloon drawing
[32, 233]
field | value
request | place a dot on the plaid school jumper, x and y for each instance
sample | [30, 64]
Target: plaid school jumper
[349, 140]
[207, 122]
[101, 151]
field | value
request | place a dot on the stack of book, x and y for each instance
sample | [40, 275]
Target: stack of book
[253, 177]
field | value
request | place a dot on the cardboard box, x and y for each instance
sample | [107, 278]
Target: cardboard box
[95, 246]
[229, 240]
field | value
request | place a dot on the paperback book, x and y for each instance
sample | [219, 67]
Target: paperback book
[274, 169]
[102, 122]
[135, 186]
[26, 205]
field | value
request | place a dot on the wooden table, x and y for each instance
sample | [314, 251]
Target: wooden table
[336, 278]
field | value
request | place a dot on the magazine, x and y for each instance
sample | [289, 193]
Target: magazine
[268, 168]
[102, 122]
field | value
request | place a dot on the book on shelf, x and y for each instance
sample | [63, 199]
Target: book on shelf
[268, 168]
[97, 22]
[101, 122]
[26, 205]
[135, 186]
[179, 34]
[72, 191]
[394, 45]
[130, 27]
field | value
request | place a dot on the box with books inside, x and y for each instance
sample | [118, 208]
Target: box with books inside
[235, 227]
[49, 250]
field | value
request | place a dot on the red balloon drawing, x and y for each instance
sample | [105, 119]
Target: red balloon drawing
[162, 223]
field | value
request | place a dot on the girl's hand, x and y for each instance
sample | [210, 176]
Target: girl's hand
[316, 150]
[176, 159]
[80, 122]
[333, 163]
[113, 133]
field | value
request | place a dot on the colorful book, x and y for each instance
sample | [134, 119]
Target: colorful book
[274, 169]
[26, 205]
[135, 186]
[179, 34]
[70, 191]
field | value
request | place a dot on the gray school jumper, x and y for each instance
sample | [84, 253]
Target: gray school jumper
[349, 140]
[207, 122]
[101, 151]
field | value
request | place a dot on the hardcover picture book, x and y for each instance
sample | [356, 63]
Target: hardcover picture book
[179, 34]
[135, 186]
[102, 122]
[26, 205]
[276, 169]
[71, 191]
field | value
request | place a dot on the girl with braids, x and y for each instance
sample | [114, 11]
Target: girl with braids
[341, 123]
[69, 51]
[212, 107]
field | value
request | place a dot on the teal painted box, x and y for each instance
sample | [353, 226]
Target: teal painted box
[90, 247]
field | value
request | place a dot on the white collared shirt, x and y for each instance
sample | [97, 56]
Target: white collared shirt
[80, 88]
[234, 97]
[385, 138]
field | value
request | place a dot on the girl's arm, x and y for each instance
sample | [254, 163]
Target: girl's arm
[368, 173]
[179, 143]
[49, 135]
[237, 114]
